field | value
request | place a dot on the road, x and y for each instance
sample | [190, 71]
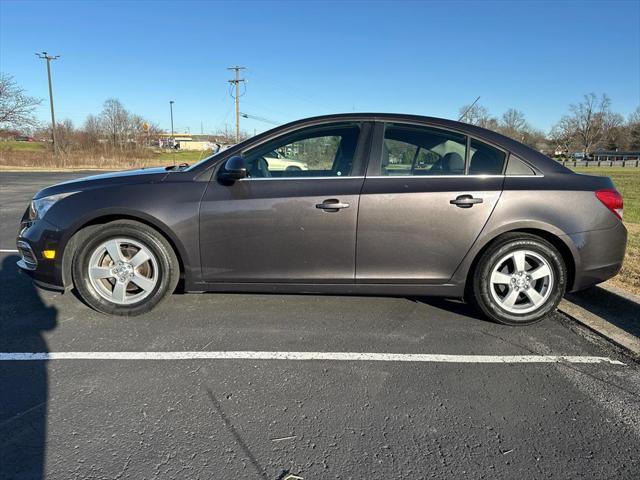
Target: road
[120, 416]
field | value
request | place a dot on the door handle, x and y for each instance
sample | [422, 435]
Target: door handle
[465, 201]
[331, 205]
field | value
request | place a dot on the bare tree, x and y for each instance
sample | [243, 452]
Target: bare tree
[478, 115]
[589, 120]
[65, 135]
[613, 132]
[633, 130]
[513, 124]
[136, 129]
[16, 107]
[563, 133]
[115, 121]
[91, 133]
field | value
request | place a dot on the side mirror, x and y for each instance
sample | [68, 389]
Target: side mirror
[234, 169]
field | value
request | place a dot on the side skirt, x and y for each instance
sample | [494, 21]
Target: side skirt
[446, 290]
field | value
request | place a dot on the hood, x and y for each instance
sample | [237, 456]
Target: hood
[142, 175]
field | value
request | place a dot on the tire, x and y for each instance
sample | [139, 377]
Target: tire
[146, 272]
[511, 295]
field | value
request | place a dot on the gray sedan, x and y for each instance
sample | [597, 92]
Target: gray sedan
[387, 205]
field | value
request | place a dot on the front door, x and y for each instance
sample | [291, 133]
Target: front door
[427, 196]
[294, 218]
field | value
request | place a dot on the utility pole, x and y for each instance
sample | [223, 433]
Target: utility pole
[236, 83]
[48, 58]
[171, 102]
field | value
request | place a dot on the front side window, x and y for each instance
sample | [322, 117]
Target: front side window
[326, 151]
[412, 150]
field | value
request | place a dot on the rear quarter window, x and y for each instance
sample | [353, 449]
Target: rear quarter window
[516, 166]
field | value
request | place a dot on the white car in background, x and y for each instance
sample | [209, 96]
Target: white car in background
[278, 162]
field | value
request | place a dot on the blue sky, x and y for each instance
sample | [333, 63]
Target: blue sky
[309, 58]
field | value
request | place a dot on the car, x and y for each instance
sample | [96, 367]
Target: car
[390, 204]
[278, 161]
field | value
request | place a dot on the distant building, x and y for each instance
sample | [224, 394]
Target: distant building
[613, 156]
[188, 141]
[559, 151]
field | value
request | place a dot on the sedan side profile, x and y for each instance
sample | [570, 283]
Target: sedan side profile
[381, 204]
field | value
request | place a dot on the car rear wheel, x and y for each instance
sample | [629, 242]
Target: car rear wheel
[519, 279]
[125, 268]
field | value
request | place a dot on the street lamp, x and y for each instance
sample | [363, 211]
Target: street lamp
[171, 102]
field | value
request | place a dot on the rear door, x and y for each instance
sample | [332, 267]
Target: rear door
[294, 219]
[427, 195]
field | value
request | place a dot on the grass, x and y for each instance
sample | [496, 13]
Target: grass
[180, 156]
[23, 146]
[22, 156]
[629, 277]
[627, 182]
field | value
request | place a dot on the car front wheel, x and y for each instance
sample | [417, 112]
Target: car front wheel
[125, 268]
[519, 279]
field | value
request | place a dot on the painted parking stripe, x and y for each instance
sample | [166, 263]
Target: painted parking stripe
[336, 356]
[4, 250]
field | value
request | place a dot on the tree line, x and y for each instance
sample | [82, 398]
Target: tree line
[589, 125]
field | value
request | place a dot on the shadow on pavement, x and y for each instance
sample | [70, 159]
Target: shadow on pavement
[23, 384]
[617, 310]
[457, 307]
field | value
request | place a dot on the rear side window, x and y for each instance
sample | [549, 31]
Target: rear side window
[412, 150]
[485, 160]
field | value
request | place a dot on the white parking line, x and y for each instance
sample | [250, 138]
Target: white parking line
[338, 356]
[4, 250]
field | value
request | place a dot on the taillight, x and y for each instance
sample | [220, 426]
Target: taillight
[612, 200]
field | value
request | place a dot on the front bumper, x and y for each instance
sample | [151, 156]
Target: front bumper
[33, 238]
[600, 254]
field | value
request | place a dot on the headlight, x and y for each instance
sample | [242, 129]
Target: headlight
[39, 207]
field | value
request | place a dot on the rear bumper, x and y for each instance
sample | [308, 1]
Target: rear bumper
[599, 255]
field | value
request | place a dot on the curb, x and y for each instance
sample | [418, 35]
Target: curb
[599, 325]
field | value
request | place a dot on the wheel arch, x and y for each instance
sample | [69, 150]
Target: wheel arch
[84, 228]
[555, 240]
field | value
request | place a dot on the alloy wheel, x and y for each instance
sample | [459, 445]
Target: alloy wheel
[123, 271]
[521, 281]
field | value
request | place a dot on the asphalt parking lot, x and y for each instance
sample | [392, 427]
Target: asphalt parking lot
[204, 404]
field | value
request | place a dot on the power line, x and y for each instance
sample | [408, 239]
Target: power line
[236, 83]
[48, 58]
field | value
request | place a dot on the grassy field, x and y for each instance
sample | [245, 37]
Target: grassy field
[180, 156]
[627, 181]
[23, 146]
[39, 156]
